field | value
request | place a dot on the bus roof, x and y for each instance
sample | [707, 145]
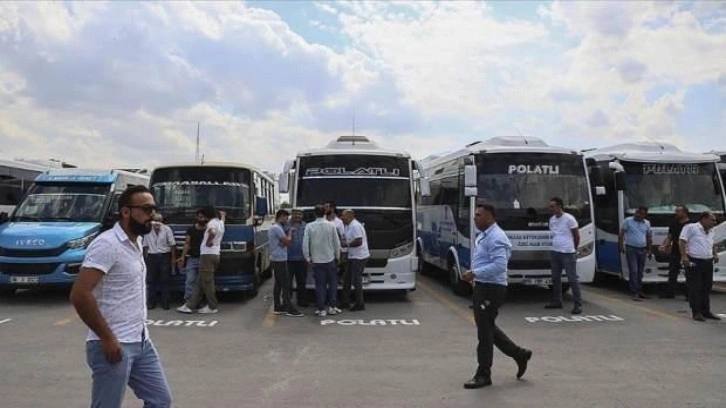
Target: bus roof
[7, 167]
[353, 145]
[649, 152]
[85, 175]
[235, 165]
[499, 144]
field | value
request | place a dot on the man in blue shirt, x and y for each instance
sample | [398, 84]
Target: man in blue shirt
[488, 273]
[278, 257]
[296, 265]
[636, 241]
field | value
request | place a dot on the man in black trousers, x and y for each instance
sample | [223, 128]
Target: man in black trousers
[491, 254]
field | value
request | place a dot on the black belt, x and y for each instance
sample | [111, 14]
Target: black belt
[697, 260]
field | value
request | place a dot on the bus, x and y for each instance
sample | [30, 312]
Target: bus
[46, 237]
[658, 176]
[16, 177]
[722, 164]
[246, 194]
[380, 186]
[518, 176]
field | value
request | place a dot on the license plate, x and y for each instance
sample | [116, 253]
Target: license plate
[24, 279]
[538, 281]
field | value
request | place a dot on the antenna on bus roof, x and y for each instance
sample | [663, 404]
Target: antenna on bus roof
[521, 135]
[652, 139]
[196, 154]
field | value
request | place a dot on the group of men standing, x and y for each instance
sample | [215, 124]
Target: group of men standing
[321, 245]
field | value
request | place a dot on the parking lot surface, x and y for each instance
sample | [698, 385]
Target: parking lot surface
[402, 351]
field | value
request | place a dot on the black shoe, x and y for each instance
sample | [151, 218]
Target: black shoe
[553, 305]
[165, 306]
[698, 317]
[151, 306]
[477, 382]
[711, 316]
[294, 313]
[576, 310]
[357, 308]
[303, 304]
[522, 361]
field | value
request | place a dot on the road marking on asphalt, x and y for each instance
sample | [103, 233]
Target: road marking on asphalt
[182, 323]
[63, 322]
[375, 322]
[5, 320]
[574, 319]
[463, 313]
[631, 304]
[270, 318]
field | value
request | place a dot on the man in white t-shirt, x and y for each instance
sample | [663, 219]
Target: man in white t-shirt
[565, 241]
[355, 239]
[110, 297]
[208, 264]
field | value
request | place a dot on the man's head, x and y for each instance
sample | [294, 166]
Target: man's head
[209, 212]
[136, 209]
[329, 207]
[297, 216]
[156, 221]
[484, 216]
[708, 220]
[347, 216]
[319, 211]
[201, 218]
[281, 216]
[556, 205]
[641, 212]
[681, 211]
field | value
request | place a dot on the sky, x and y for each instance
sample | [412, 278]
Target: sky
[124, 84]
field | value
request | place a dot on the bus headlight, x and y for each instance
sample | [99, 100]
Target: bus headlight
[81, 242]
[585, 250]
[403, 250]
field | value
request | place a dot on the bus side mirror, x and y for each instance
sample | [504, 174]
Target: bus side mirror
[619, 180]
[471, 191]
[470, 176]
[424, 187]
[261, 207]
[4, 217]
[284, 179]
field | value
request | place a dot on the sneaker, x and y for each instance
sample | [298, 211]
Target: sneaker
[278, 312]
[334, 311]
[320, 313]
[207, 310]
[294, 313]
[184, 309]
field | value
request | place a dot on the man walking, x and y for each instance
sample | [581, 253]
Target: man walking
[110, 297]
[190, 254]
[488, 273]
[160, 253]
[356, 241]
[699, 254]
[635, 241]
[670, 246]
[296, 265]
[321, 248]
[278, 257]
[565, 241]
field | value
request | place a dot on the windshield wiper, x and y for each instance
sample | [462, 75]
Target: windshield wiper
[26, 218]
[67, 219]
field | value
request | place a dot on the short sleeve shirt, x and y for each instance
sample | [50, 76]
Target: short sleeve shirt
[561, 228]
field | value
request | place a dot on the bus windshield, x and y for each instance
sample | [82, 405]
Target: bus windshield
[180, 192]
[63, 202]
[661, 186]
[521, 185]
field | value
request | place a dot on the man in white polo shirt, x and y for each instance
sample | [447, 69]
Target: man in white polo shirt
[565, 241]
[356, 241]
[698, 255]
[110, 297]
[160, 254]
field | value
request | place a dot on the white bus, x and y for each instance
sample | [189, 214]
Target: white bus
[380, 186]
[658, 176]
[518, 176]
[16, 177]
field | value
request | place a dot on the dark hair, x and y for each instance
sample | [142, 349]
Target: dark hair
[209, 211]
[124, 199]
[280, 213]
[685, 208]
[319, 211]
[488, 208]
[200, 211]
[558, 201]
[642, 208]
[331, 203]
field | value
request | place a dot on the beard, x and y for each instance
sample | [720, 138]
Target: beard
[139, 228]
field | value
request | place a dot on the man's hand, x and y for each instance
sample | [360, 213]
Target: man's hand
[715, 258]
[685, 261]
[112, 350]
[468, 276]
[180, 262]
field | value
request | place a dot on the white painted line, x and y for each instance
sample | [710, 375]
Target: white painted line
[181, 323]
[387, 322]
[5, 320]
[574, 319]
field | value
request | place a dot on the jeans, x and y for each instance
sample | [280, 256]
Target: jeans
[488, 298]
[139, 367]
[700, 282]
[192, 272]
[636, 265]
[158, 277]
[568, 262]
[298, 270]
[281, 286]
[353, 274]
[326, 284]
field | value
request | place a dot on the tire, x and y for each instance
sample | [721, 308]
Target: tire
[458, 286]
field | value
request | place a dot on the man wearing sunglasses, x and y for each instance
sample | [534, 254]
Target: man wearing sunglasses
[110, 297]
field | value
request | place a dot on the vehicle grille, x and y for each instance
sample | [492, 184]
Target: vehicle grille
[28, 269]
[529, 264]
[31, 253]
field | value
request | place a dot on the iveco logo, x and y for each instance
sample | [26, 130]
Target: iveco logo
[30, 242]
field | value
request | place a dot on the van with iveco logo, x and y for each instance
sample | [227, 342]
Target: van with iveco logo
[45, 239]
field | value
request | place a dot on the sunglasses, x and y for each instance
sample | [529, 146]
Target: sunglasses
[147, 208]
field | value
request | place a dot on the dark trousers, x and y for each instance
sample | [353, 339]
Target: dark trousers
[298, 270]
[488, 298]
[674, 268]
[326, 284]
[208, 265]
[568, 262]
[700, 281]
[353, 274]
[158, 276]
[281, 286]
[636, 265]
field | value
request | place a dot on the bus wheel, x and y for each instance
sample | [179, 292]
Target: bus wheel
[255, 286]
[460, 287]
